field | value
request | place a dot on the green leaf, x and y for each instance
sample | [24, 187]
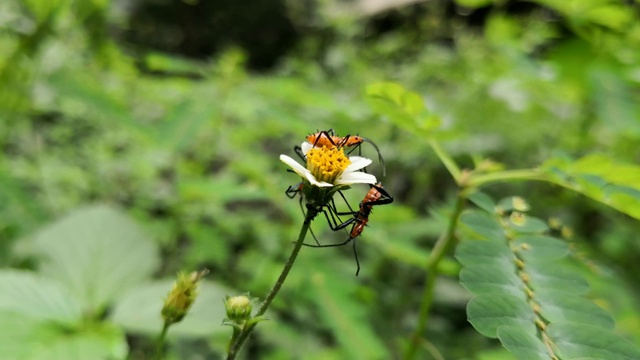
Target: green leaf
[525, 345]
[601, 178]
[346, 320]
[482, 224]
[529, 225]
[405, 108]
[30, 338]
[557, 277]
[489, 312]
[483, 201]
[31, 295]
[98, 253]
[139, 310]
[559, 308]
[40, 320]
[483, 252]
[583, 341]
[20, 334]
[541, 248]
[105, 342]
[490, 279]
[524, 287]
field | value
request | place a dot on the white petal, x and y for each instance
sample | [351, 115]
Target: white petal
[306, 146]
[315, 182]
[356, 178]
[299, 169]
[357, 163]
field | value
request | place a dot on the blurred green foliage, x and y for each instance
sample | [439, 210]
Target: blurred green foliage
[97, 108]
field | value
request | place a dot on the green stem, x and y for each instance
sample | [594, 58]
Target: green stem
[444, 245]
[508, 175]
[234, 349]
[161, 339]
[447, 160]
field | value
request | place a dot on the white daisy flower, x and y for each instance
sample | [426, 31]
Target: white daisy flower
[327, 167]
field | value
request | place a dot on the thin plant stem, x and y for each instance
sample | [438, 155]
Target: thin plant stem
[446, 159]
[507, 175]
[234, 349]
[444, 245]
[161, 340]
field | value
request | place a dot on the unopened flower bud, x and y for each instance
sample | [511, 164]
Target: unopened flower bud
[182, 296]
[520, 204]
[566, 232]
[238, 308]
[518, 218]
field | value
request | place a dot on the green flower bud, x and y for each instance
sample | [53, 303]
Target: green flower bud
[182, 296]
[520, 204]
[518, 218]
[238, 308]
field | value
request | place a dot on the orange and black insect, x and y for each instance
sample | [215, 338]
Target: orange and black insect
[329, 139]
[376, 196]
[326, 138]
[329, 210]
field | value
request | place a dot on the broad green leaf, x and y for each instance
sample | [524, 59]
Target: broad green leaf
[608, 169]
[139, 310]
[601, 178]
[523, 287]
[528, 225]
[105, 342]
[556, 277]
[582, 341]
[482, 252]
[30, 338]
[490, 279]
[483, 201]
[355, 336]
[20, 334]
[403, 107]
[524, 345]
[482, 224]
[562, 307]
[98, 253]
[489, 312]
[31, 295]
[540, 248]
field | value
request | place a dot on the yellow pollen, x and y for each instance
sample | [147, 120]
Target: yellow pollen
[326, 164]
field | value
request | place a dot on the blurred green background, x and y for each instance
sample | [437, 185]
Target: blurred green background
[139, 138]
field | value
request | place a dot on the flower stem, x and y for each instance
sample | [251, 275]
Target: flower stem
[161, 339]
[444, 245]
[446, 159]
[234, 349]
[507, 175]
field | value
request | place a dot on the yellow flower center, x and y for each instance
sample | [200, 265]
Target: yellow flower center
[327, 164]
